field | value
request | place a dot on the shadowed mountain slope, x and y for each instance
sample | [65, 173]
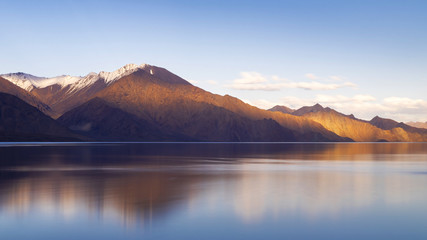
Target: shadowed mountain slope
[20, 121]
[62, 99]
[99, 120]
[10, 88]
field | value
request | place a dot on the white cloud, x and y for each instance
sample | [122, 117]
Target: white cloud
[262, 103]
[193, 81]
[406, 103]
[344, 99]
[212, 82]
[256, 81]
[261, 87]
[276, 78]
[364, 98]
[336, 78]
[406, 109]
[318, 85]
[311, 76]
[250, 78]
[295, 102]
[332, 78]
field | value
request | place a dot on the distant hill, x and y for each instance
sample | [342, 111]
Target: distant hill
[388, 124]
[383, 123]
[417, 124]
[378, 129]
[282, 109]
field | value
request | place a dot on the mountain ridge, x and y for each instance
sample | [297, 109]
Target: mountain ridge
[282, 109]
[376, 130]
[127, 94]
[149, 103]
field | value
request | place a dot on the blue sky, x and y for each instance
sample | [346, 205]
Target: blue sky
[362, 57]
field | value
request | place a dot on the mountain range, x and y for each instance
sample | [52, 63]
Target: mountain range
[149, 103]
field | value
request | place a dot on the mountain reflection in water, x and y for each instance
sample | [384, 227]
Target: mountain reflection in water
[145, 186]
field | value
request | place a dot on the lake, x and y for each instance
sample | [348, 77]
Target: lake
[213, 191]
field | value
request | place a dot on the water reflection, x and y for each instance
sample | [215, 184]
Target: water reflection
[129, 197]
[253, 184]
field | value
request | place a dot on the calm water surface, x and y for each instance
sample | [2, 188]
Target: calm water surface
[213, 191]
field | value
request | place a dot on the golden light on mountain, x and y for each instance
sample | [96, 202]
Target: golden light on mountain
[148, 103]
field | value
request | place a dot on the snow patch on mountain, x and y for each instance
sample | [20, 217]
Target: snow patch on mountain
[108, 77]
[28, 81]
[63, 81]
[119, 73]
[22, 80]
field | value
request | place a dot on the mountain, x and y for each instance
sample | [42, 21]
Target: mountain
[10, 88]
[417, 124]
[389, 124]
[98, 119]
[20, 121]
[149, 103]
[173, 103]
[28, 82]
[383, 123]
[282, 109]
[359, 130]
[318, 108]
[165, 89]
[65, 92]
[308, 109]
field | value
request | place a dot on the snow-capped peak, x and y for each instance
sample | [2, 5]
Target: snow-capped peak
[28, 82]
[107, 77]
[119, 73]
[63, 81]
[22, 80]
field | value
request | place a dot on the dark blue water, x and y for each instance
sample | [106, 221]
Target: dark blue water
[213, 191]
